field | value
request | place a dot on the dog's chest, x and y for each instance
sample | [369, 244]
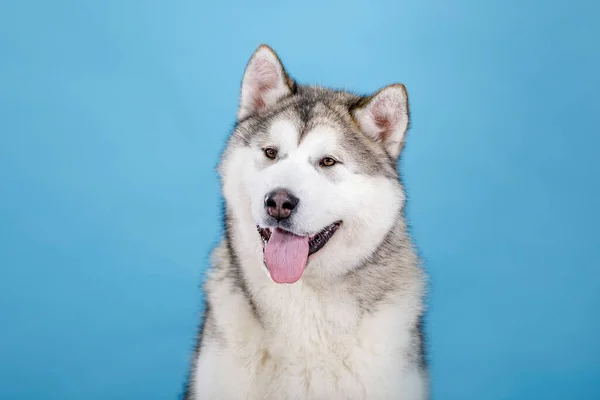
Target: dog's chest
[320, 347]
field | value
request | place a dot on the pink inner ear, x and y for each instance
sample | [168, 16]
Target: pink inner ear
[259, 104]
[265, 75]
[264, 78]
[385, 116]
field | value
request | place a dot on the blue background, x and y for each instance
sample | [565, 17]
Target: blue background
[112, 117]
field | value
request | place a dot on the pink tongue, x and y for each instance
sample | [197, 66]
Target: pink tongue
[286, 255]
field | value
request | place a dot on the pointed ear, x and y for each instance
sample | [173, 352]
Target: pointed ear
[265, 82]
[384, 117]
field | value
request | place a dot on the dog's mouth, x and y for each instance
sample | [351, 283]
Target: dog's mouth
[286, 254]
[315, 242]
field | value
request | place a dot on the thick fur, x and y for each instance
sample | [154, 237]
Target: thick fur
[350, 328]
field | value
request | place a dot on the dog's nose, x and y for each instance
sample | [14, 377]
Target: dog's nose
[280, 204]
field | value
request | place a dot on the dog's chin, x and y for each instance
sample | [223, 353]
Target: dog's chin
[285, 253]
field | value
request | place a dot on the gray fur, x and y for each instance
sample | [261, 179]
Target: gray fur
[311, 106]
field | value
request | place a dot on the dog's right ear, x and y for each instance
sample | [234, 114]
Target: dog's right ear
[265, 82]
[384, 117]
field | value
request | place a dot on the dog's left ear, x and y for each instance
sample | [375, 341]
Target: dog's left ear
[265, 82]
[384, 117]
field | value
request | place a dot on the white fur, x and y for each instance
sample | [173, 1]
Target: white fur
[351, 199]
[318, 351]
[313, 343]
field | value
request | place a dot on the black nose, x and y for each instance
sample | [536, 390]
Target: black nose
[280, 203]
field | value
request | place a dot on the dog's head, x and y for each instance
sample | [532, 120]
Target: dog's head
[313, 170]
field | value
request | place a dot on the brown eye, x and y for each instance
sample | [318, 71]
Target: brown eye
[270, 153]
[327, 162]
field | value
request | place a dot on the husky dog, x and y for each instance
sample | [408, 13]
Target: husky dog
[316, 291]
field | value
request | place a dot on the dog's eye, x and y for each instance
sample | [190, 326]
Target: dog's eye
[270, 153]
[327, 162]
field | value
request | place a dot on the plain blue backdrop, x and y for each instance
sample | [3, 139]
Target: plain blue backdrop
[112, 117]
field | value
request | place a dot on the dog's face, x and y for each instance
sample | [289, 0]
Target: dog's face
[314, 169]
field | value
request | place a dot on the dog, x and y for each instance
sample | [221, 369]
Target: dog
[316, 290]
